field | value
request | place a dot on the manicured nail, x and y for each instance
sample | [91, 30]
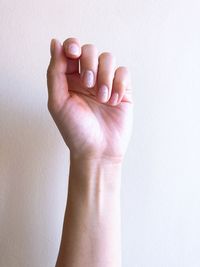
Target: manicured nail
[88, 78]
[103, 93]
[74, 49]
[114, 99]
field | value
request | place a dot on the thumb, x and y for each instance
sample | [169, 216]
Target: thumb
[56, 76]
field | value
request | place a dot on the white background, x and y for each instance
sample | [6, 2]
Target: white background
[160, 42]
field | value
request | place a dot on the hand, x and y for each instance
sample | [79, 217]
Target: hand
[94, 123]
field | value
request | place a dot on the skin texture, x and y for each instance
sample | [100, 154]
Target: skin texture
[97, 131]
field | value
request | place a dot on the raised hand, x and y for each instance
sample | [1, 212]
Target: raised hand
[90, 100]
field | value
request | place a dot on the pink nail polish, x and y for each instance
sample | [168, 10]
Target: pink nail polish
[103, 93]
[73, 49]
[88, 78]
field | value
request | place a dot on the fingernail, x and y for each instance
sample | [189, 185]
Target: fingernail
[103, 93]
[114, 98]
[88, 78]
[74, 49]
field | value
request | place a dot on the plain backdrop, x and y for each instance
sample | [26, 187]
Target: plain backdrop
[159, 41]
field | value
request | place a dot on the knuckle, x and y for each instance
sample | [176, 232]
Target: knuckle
[119, 85]
[122, 76]
[107, 75]
[55, 103]
[53, 106]
[71, 40]
[88, 46]
[106, 55]
[52, 72]
[123, 69]
[89, 50]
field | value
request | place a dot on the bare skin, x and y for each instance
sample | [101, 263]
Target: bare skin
[96, 128]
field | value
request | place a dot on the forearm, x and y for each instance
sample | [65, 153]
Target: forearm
[91, 229]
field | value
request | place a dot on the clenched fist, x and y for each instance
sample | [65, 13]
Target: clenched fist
[90, 100]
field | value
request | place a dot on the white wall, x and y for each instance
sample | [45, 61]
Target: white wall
[160, 42]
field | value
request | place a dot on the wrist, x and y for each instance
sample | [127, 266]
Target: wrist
[99, 174]
[101, 159]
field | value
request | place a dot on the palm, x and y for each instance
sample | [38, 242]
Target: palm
[88, 126]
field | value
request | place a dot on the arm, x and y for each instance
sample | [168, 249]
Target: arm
[91, 231]
[92, 108]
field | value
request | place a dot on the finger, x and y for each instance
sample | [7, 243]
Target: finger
[72, 50]
[105, 76]
[56, 75]
[89, 65]
[72, 66]
[120, 84]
